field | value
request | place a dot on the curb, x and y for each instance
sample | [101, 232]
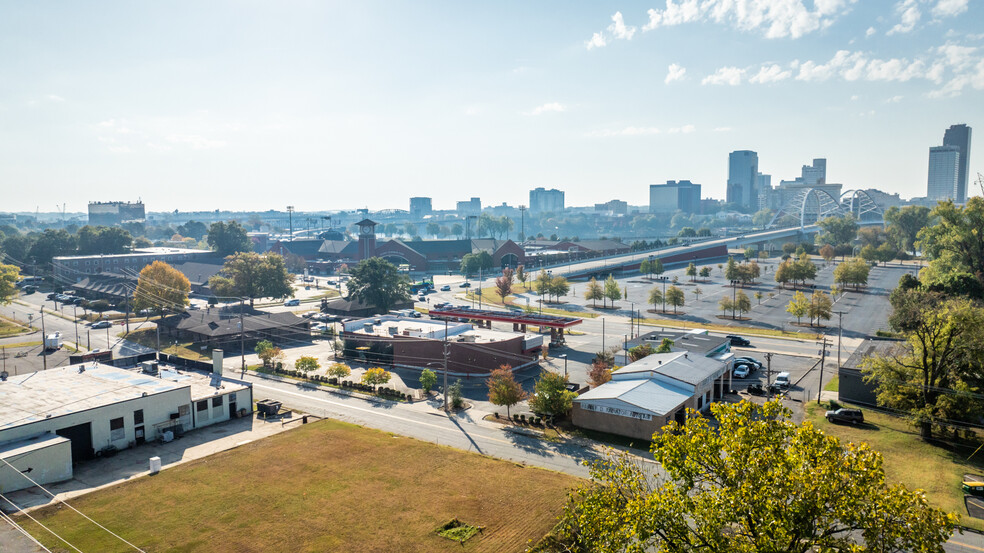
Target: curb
[329, 389]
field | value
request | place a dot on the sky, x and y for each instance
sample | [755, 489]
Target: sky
[246, 105]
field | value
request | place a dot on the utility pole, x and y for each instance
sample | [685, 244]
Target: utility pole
[446, 352]
[127, 316]
[823, 357]
[602, 334]
[522, 223]
[768, 370]
[75, 313]
[840, 332]
[290, 217]
[242, 335]
[44, 346]
[157, 325]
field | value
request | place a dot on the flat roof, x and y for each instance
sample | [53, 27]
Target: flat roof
[429, 329]
[27, 445]
[648, 395]
[692, 369]
[519, 317]
[139, 253]
[687, 340]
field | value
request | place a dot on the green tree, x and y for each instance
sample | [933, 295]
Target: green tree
[665, 346]
[612, 290]
[559, 287]
[51, 243]
[675, 297]
[821, 307]
[645, 267]
[427, 380]
[339, 370]
[594, 292]
[731, 270]
[307, 363]
[377, 282]
[753, 482]
[503, 388]
[472, 263]
[457, 229]
[410, 229]
[550, 396]
[804, 269]
[798, 306]
[9, 275]
[903, 225]
[656, 267]
[852, 272]
[692, 272]
[376, 376]
[261, 348]
[454, 393]
[705, 272]
[762, 217]
[228, 238]
[433, 229]
[161, 287]
[542, 283]
[18, 247]
[193, 229]
[656, 297]
[94, 240]
[725, 304]
[253, 275]
[638, 352]
[837, 230]
[742, 303]
[750, 253]
[687, 232]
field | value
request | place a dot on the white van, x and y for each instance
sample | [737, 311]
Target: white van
[782, 379]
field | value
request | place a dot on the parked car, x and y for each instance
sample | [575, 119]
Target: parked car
[421, 298]
[101, 324]
[292, 303]
[853, 416]
[52, 296]
[446, 288]
[755, 363]
[29, 289]
[738, 341]
[782, 380]
[464, 285]
[740, 371]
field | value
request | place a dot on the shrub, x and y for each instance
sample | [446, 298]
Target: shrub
[496, 414]
[376, 375]
[307, 363]
[522, 418]
[332, 380]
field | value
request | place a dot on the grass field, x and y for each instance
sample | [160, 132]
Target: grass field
[327, 486]
[11, 328]
[188, 350]
[937, 469]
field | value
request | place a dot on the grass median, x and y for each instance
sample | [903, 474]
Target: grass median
[326, 486]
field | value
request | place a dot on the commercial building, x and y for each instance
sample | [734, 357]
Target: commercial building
[469, 207]
[120, 282]
[420, 207]
[416, 343]
[224, 326]
[743, 178]
[959, 136]
[113, 213]
[944, 173]
[674, 196]
[73, 268]
[546, 201]
[816, 173]
[54, 418]
[615, 207]
[853, 386]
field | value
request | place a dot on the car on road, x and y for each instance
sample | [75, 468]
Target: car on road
[101, 324]
[464, 285]
[446, 288]
[29, 289]
[782, 380]
[755, 363]
[421, 298]
[740, 371]
[738, 341]
[292, 303]
[853, 416]
[52, 296]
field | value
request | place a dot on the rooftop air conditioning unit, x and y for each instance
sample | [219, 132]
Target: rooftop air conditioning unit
[367, 327]
[393, 330]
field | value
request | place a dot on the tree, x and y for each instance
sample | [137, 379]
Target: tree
[9, 275]
[521, 275]
[559, 287]
[594, 292]
[758, 297]
[692, 272]
[161, 287]
[253, 275]
[638, 352]
[731, 270]
[228, 238]
[51, 243]
[612, 290]
[503, 388]
[410, 229]
[338, 370]
[645, 267]
[95, 240]
[748, 272]
[454, 392]
[804, 269]
[798, 306]
[837, 230]
[193, 229]
[655, 297]
[742, 303]
[903, 225]
[827, 253]
[821, 307]
[697, 292]
[687, 232]
[295, 263]
[307, 363]
[954, 243]
[457, 229]
[705, 272]
[656, 267]
[665, 346]
[599, 373]
[853, 271]
[934, 375]
[675, 297]
[726, 304]
[433, 229]
[550, 395]
[750, 253]
[427, 380]
[262, 348]
[376, 376]
[753, 482]
[472, 263]
[503, 283]
[377, 282]
[542, 283]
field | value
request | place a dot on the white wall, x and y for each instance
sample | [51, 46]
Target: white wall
[47, 464]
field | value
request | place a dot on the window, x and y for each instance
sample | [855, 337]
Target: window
[116, 430]
[217, 401]
[138, 416]
[201, 406]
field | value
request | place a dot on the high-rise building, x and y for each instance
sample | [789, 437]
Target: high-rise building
[420, 207]
[114, 213]
[959, 136]
[546, 201]
[743, 178]
[469, 207]
[816, 173]
[672, 196]
[944, 173]
[615, 207]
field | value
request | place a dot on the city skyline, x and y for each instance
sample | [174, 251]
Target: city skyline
[253, 107]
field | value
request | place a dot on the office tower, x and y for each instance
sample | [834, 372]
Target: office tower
[743, 178]
[944, 171]
[420, 207]
[959, 136]
[546, 201]
[673, 196]
[816, 173]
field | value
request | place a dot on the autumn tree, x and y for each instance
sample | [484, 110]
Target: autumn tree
[503, 388]
[339, 370]
[731, 270]
[612, 291]
[827, 252]
[697, 292]
[798, 306]
[376, 376]
[252, 275]
[267, 352]
[599, 373]
[725, 304]
[752, 482]
[307, 363]
[542, 283]
[503, 283]
[559, 286]
[594, 292]
[742, 303]
[852, 272]
[656, 297]
[521, 275]
[675, 297]
[161, 287]
[820, 307]
[692, 272]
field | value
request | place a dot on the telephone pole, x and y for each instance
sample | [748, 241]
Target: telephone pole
[840, 332]
[446, 351]
[242, 335]
[768, 370]
[44, 346]
[823, 357]
[290, 218]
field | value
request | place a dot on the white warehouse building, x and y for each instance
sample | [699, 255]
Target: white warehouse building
[51, 419]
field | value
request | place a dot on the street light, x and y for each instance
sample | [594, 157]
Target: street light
[734, 297]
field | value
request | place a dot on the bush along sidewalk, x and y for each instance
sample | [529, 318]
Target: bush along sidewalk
[377, 391]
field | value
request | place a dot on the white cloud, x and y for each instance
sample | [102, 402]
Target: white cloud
[870, 32]
[54, 98]
[618, 28]
[855, 98]
[195, 141]
[675, 73]
[548, 107]
[686, 129]
[722, 129]
[894, 99]
[627, 131]
[949, 8]
[725, 75]
[772, 18]
[909, 15]
[597, 41]
[770, 74]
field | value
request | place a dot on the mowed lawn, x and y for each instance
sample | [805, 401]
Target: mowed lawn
[326, 486]
[908, 459]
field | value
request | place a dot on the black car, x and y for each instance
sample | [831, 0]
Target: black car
[853, 416]
[738, 341]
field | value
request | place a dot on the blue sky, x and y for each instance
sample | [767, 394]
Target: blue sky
[331, 105]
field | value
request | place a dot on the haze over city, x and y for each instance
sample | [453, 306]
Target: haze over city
[250, 106]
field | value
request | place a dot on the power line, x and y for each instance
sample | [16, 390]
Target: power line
[27, 534]
[28, 515]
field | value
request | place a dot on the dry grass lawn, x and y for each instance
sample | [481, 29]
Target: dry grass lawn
[327, 486]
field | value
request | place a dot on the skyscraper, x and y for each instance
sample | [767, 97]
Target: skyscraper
[959, 136]
[743, 178]
[546, 201]
[816, 173]
[944, 171]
